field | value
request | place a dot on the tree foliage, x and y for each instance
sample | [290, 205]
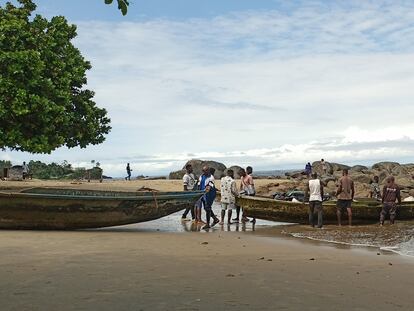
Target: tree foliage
[122, 5]
[43, 102]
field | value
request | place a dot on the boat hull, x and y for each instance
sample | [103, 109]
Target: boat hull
[82, 209]
[284, 211]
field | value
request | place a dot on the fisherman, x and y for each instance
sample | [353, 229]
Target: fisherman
[314, 188]
[203, 181]
[308, 169]
[324, 167]
[25, 170]
[190, 184]
[375, 192]
[246, 188]
[128, 170]
[228, 191]
[209, 197]
[390, 193]
[345, 195]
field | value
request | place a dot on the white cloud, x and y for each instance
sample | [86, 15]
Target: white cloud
[332, 80]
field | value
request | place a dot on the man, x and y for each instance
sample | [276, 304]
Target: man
[314, 189]
[228, 196]
[345, 195]
[25, 170]
[128, 169]
[203, 182]
[375, 192]
[190, 184]
[324, 167]
[390, 193]
[308, 169]
[209, 197]
[246, 188]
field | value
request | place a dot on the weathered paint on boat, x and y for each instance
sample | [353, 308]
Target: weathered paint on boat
[284, 211]
[63, 209]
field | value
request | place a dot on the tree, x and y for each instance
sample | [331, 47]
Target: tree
[122, 5]
[43, 102]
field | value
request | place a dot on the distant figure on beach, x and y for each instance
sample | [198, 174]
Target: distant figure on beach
[189, 184]
[246, 188]
[308, 169]
[345, 195]
[324, 167]
[128, 170]
[228, 191]
[375, 192]
[25, 170]
[314, 189]
[390, 194]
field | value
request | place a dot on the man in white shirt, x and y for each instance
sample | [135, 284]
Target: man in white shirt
[189, 184]
[315, 190]
[228, 191]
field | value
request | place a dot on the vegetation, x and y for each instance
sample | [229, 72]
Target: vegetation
[122, 5]
[43, 102]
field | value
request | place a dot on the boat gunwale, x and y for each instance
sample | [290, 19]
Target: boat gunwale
[150, 196]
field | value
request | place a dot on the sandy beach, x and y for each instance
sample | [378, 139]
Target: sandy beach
[113, 269]
[137, 267]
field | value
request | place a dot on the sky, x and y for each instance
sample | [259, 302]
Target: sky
[272, 84]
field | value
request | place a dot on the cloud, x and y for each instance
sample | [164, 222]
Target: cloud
[269, 88]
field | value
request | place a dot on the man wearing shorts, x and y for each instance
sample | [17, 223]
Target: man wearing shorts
[390, 194]
[228, 191]
[345, 195]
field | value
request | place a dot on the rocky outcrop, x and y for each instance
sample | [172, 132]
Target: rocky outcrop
[197, 169]
[236, 169]
[359, 168]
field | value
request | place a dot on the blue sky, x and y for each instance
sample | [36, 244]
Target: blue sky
[273, 84]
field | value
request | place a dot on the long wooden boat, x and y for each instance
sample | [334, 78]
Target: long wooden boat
[363, 210]
[63, 209]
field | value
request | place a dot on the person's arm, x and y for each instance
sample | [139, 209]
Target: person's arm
[307, 190]
[352, 189]
[321, 183]
[241, 184]
[384, 190]
[398, 195]
[234, 189]
[339, 190]
[185, 183]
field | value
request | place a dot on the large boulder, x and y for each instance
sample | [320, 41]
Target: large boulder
[197, 169]
[337, 167]
[405, 182]
[385, 166]
[317, 167]
[359, 168]
[361, 178]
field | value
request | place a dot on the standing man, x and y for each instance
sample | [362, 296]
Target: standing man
[345, 195]
[25, 170]
[315, 190]
[203, 182]
[324, 167]
[375, 192]
[128, 170]
[190, 184]
[308, 169]
[390, 194]
[228, 196]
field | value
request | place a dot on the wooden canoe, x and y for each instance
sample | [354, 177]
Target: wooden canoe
[63, 209]
[363, 210]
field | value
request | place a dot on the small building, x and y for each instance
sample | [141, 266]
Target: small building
[16, 172]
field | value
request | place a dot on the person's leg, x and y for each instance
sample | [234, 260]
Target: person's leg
[187, 210]
[393, 211]
[311, 210]
[349, 211]
[223, 214]
[229, 216]
[338, 211]
[192, 210]
[320, 215]
[238, 208]
[383, 214]
[208, 216]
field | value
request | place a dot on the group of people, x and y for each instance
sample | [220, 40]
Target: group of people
[228, 191]
[345, 196]
[324, 168]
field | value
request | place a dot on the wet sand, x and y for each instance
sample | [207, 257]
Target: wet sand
[139, 270]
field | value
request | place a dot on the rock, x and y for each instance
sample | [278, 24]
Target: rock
[360, 177]
[296, 174]
[197, 169]
[204, 243]
[337, 167]
[236, 169]
[359, 168]
[230, 275]
[317, 167]
[404, 182]
[311, 258]
[411, 192]
[328, 179]
[385, 166]
[409, 199]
